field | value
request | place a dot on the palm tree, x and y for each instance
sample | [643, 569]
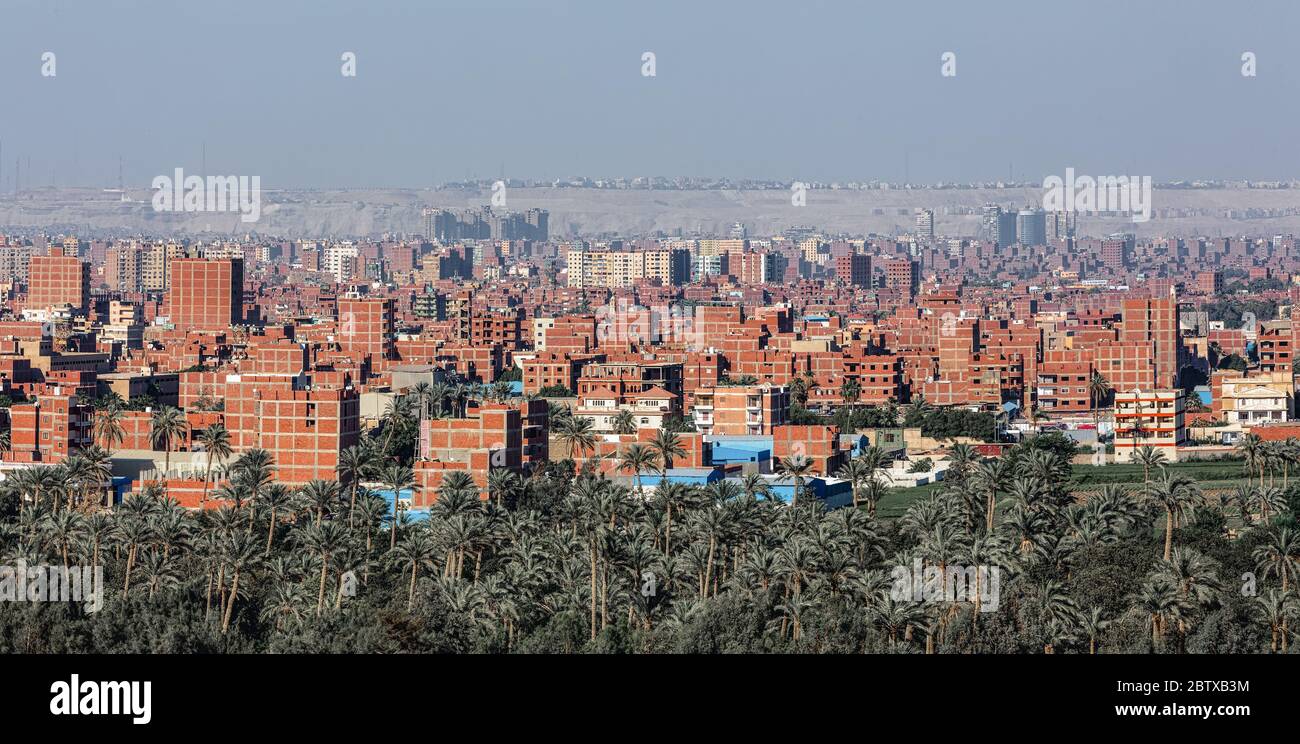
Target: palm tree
[216, 444]
[755, 485]
[637, 458]
[167, 425]
[397, 415]
[1176, 494]
[1148, 457]
[851, 393]
[275, 498]
[875, 490]
[503, 482]
[578, 433]
[354, 465]
[398, 478]
[1277, 609]
[253, 471]
[1160, 602]
[1279, 556]
[324, 542]
[857, 473]
[321, 495]
[961, 458]
[673, 496]
[1098, 390]
[416, 549]
[624, 422]
[667, 445]
[240, 554]
[991, 476]
[1254, 451]
[797, 467]
[107, 427]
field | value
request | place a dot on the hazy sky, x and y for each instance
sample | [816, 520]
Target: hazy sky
[796, 89]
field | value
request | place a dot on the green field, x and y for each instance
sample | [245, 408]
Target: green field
[1215, 475]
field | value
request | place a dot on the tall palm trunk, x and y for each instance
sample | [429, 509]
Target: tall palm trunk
[207, 476]
[410, 601]
[593, 589]
[270, 531]
[1169, 531]
[230, 606]
[320, 594]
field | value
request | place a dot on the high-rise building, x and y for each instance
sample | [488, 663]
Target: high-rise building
[901, 273]
[1115, 252]
[1006, 229]
[853, 269]
[614, 269]
[58, 280]
[206, 293]
[366, 326]
[1155, 321]
[925, 223]
[1031, 226]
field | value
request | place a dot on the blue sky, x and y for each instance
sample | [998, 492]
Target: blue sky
[784, 90]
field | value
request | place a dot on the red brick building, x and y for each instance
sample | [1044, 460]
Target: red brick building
[206, 293]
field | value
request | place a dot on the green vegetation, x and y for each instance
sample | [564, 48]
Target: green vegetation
[573, 562]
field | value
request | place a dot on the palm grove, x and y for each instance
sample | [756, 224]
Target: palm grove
[565, 561]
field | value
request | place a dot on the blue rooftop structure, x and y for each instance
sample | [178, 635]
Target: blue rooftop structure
[685, 476]
[834, 493]
[727, 455]
[411, 515]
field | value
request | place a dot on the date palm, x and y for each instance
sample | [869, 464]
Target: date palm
[637, 458]
[857, 473]
[1149, 458]
[276, 499]
[798, 468]
[240, 553]
[1277, 609]
[417, 550]
[1176, 494]
[1254, 452]
[107, 427]
[397, 478]
[321, 495]
[1093, 624]
[215, 440]
[166, 426]
[354, 465]
[323, 542]
[991, 476]
[502, 483]
[851, 393]
[1280, 556]
[667, 445]
[624, 422]
[577, 433]
[1158, 599]
[1098, 390]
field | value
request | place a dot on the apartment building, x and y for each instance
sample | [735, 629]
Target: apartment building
[1149, 418]
[741, 410]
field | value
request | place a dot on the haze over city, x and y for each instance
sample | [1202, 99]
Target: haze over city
[546, 90]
